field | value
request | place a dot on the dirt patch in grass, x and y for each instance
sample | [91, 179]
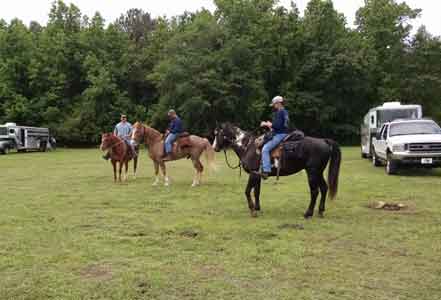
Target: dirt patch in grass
[100, 272]
[189, 233]
[292, 226]
[402, 207]
[143, 287]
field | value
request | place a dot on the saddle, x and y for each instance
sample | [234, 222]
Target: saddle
[289, 145]
[289, 148]
[183, 140]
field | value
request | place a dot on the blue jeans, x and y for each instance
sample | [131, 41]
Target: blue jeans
[171, 138]
[267, 148]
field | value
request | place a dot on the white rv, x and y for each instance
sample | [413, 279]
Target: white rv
[23, 138]
[373, 121]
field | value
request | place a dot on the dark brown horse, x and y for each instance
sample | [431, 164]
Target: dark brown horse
[313, 156]
[154, 141]
[119, 153]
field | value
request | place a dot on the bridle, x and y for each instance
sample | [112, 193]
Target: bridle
[239, 164]
[142, 127]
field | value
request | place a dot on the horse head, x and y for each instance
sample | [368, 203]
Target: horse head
[106, 141]
[224, 136]
[137, 133]
[141, 131]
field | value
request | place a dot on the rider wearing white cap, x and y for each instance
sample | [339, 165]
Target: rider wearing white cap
[279, 127]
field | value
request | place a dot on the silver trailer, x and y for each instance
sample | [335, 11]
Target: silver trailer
[377, 116]
[23, 138]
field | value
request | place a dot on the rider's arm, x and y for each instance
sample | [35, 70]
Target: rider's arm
[266, 124]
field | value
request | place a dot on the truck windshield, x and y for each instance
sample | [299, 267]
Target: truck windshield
[3, 130]
[408, 128]
[389, 115]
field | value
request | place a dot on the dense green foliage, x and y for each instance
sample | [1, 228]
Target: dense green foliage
[76, 74]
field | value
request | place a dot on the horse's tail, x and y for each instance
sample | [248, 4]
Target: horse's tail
[210, 156]
[334, 168]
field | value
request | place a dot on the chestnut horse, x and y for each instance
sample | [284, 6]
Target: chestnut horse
[119, 152]
[154, 142]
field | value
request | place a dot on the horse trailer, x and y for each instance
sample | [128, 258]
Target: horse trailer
[23, 138]
[377, 116]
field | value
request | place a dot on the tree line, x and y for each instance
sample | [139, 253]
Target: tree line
[76, 74]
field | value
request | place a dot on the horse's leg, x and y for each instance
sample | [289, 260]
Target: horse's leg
[257, 192]
[120, 170]
[135, 165]
[114, 170]
[323, 191]
[251, 184]
[126, 173]
[313, 180]
[156, 164]
[164, 173]
[199, 168]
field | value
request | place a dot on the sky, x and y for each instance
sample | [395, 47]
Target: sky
[37, 10]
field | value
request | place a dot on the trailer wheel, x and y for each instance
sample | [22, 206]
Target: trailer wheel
[43, 146]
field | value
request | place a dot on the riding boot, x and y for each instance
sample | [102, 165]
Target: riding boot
[262, 174]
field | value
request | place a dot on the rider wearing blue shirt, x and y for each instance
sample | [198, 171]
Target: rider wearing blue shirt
[123, 130]
[280, 128]
[175, 128]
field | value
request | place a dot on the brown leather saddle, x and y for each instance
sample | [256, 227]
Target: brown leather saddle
[277, 152]
[183, 141]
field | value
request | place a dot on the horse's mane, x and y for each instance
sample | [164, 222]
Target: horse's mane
[150, 133]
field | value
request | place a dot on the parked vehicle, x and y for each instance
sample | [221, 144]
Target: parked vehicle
[377, 116]
[23, 138]
[401, 143]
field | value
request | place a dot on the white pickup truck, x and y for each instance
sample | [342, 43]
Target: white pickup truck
[401, 143]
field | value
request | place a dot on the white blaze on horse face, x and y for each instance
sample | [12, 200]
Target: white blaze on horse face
[102, 146]
[133, 136]
[215, 143]
[239, 137]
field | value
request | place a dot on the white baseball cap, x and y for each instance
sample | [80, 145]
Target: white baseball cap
[277, 99]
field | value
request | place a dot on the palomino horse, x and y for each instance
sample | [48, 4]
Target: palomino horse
[119, 152]
[153, 139]
[313, 155]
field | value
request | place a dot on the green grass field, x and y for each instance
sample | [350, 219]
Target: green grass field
[68, 232]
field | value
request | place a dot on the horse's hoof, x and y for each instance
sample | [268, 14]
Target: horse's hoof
[321, 215]
[254, 214]
[307, 216]
[154, 184]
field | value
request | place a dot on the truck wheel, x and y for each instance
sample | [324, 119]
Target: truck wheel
[375, 161]
[391, 166]
[6, 150]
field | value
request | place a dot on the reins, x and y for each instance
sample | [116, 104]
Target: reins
[239, 165]
[113, 146]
